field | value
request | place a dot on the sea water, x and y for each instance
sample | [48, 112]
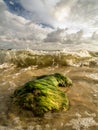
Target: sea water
[19, 66]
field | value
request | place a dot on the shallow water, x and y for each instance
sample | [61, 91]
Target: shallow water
[83, 112]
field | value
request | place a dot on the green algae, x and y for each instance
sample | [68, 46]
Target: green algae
[43, 94]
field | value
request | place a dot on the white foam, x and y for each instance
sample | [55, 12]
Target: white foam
[93, 76]
[4, 66]
[79, 123]
[80, 53]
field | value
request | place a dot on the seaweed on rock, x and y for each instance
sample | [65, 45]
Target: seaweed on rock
[43, 94]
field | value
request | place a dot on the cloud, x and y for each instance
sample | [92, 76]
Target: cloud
[85, 10]
[43, 10]
[76, 15]
[17, 29]
[63, 9]
[62, 36]
[55, 36]
[63, 13]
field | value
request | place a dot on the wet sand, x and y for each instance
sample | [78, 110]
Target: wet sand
[83, 96]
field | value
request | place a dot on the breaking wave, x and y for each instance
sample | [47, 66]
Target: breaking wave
[26, 58]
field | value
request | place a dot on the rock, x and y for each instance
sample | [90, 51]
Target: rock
[43, 94]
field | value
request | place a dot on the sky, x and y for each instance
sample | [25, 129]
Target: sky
[57, 13]
[47, 22]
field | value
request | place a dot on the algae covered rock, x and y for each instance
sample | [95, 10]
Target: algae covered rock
[43, 94]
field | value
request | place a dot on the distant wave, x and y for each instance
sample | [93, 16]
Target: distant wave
[25, 58]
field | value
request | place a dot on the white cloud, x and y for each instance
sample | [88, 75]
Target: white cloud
[15, 28]
[43, 10]
[63, 9]
[55, 36]
[62, 36]
[63, 13]
[74, 14]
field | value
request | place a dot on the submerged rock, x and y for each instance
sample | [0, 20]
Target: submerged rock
[43, 94]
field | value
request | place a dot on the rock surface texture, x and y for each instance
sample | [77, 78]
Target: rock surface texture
[43, 94]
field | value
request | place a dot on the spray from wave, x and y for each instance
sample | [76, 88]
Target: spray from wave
[26, 58]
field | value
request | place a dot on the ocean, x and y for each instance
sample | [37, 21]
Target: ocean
[18, 66]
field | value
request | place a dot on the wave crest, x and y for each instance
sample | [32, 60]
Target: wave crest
[25, 58]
